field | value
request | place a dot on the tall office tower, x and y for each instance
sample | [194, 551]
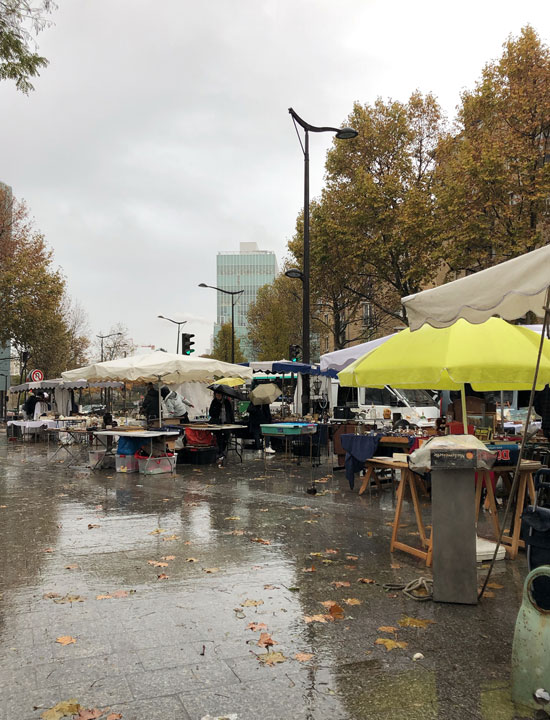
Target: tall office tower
[248, 270]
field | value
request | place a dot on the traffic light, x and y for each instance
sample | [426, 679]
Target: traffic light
[186, 342]
[294, 352]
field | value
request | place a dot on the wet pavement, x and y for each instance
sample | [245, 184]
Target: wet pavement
[158, 579]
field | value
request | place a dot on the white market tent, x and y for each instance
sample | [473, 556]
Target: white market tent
[509, 290]
[340, 359]
[159, 366]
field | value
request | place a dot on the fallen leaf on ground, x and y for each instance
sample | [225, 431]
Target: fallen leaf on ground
[270, 587]
[120, 594]
[330, 551]
[488, 593]
[261, 541]
[390, 644]
[352, 601]
[369, 533]
[326, 561]
[303, 657]
[68, 599]
[264, 509]
[256, 626]
[352, 557]
[395, 566]
[387, 629]
[162, 576]
[316, 554]
[172, 537]
[367, 581]
[3, 506]
[71, 567]
[65, 640]
[252, 603]
[88, 714]
[236, 532]
[209, 571]
[103, 597]
[271, 658]
[91, 526]
[157, 564]
[50, 596]
[328, 603]
[350, 567]
[337, 612]
[266, 640]
[318, 618]
[233, 517]
[114, 716]
[495, 586]
[191, 560]
[407, 621]
[309, 569]
[168, 557]
[158, 531]
[310, 522]
[62, 709]
[48, 550]
[340, 583]
[188, 542]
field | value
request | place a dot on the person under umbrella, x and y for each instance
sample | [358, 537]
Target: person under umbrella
[221, 413]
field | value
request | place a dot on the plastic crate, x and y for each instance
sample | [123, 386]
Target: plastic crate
[96, 457]
[156, 465]
[126, 464]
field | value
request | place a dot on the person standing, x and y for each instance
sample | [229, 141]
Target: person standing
[221, 413]
[174, 405]
[150, 405]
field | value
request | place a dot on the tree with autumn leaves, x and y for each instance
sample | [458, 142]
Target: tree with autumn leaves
[36, 314]
[409, 202]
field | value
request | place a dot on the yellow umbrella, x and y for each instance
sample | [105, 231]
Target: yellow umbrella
[493, 355]
[231, 381]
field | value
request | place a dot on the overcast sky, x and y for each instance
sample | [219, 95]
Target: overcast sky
[159, 134]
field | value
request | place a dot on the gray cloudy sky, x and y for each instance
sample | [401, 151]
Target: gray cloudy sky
[159, 133]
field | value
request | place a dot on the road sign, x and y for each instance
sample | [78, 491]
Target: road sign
[37, 376]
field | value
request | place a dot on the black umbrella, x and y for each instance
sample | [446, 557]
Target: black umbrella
[226, 390]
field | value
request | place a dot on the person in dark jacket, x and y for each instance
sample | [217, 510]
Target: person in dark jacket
[542, 408]
[150, 405]
[29, 405]
[221, 413]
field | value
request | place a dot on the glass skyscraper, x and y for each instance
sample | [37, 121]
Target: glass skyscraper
[248, 270]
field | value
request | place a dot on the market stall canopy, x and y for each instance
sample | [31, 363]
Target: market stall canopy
[285, 366]
[493, 355]
[171, 368]
[263, 365]
[333, 362]
[509, 290]
[61, 384]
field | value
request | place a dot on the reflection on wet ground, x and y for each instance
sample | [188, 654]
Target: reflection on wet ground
[157, 579]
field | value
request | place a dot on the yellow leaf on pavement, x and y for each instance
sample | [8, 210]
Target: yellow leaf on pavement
[156, 563]
[168, 557]
[266, 640]
[303, 657]
[407, 621]
[340, 583]
[252, 603]
[495, 586]
[271, 658]
[62, 709]
[209, 571]
[318, 618]
[158, 531]
[65, 640]
[390, 644]
[387, 628]
[171, 537]
[366, 581]
[352, 601]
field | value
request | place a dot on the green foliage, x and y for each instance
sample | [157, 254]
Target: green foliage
[493, 176]
[222, 346]
[19, 21]
[275, 319]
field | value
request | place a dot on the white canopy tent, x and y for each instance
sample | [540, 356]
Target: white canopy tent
[340, 359]
[509, 290]
[157, 366]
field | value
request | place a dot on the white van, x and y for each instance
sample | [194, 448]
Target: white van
[382, 404]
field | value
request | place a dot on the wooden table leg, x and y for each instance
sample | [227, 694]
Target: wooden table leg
[366, 480]
[513, 541]
[397, 517]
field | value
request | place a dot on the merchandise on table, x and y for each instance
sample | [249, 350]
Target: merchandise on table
[289, 429]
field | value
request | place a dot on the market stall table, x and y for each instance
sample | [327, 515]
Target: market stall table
[290, 430]
[229, 428]
[103, 437]
[31, 427]
[414, 482]
[75, 437]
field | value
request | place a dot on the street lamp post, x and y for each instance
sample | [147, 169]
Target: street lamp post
[233, 294]
[344, 133]
[182, 322]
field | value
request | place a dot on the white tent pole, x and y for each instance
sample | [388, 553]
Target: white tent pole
[160, 403]
[464, 414]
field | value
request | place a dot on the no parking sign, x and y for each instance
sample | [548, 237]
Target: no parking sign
[37, 376]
